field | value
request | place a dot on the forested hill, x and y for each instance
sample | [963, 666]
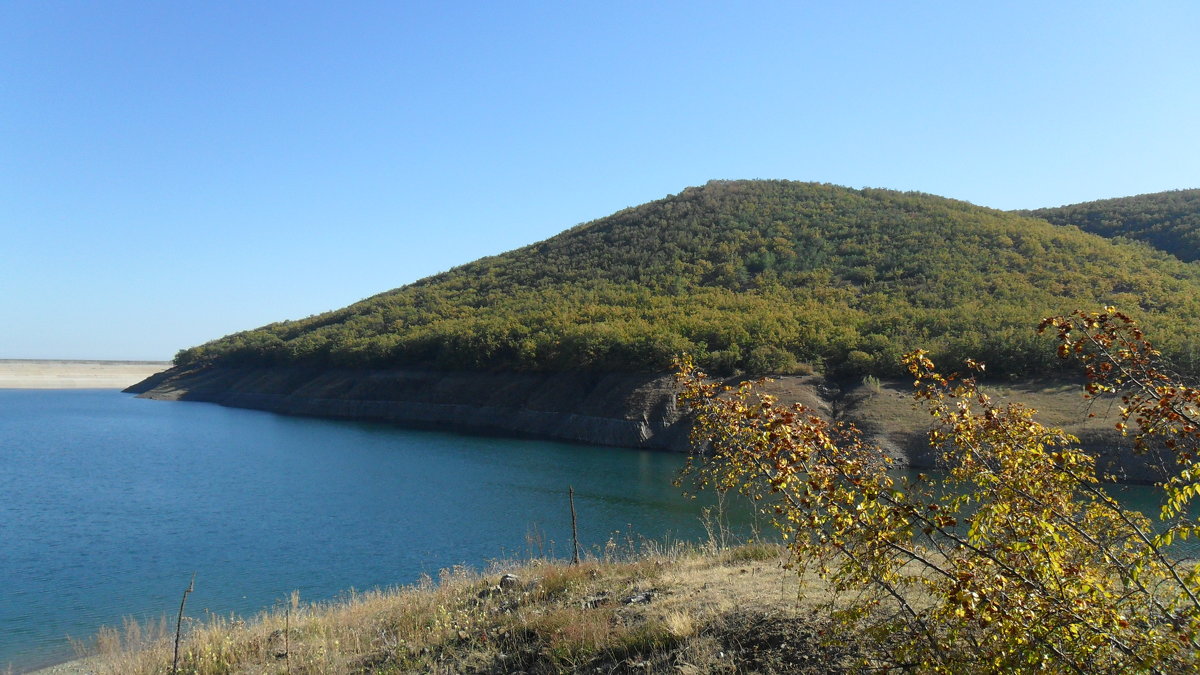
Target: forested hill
[1166, 220]
[760, 276]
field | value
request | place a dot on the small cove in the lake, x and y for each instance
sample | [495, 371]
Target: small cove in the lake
[109, 503]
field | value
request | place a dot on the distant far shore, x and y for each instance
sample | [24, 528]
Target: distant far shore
[75, 374]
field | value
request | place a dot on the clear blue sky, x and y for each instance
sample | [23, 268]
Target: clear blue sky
[171, 172]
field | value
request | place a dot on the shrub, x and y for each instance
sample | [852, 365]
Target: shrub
[770, 359]
[1022, 562]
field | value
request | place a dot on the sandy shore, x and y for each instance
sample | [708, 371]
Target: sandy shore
[37, 374]
[76, 667]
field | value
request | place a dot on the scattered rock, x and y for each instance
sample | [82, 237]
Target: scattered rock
[509, 582]
[640, 598]
[594, 601]
[829, 390]
[768, 642]
[277, 644]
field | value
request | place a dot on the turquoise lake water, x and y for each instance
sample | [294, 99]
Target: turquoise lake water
[109, 503]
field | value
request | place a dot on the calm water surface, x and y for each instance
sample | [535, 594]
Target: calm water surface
[109, 503]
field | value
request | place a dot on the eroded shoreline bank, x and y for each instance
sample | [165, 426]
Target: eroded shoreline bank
[618, 409]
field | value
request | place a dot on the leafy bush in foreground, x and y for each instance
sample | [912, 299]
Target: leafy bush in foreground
[1023, 562]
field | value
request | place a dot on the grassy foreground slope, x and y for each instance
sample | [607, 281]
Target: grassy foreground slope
[757, 276]
[676, 611]
[1169, 221]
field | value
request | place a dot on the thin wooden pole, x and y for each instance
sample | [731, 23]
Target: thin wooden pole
[574, 526]
[287, 641]
[179, 623]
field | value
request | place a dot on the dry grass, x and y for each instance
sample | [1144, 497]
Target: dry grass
[683, 610]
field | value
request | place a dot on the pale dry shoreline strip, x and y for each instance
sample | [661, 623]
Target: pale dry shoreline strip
[48, 374]
[73, 667]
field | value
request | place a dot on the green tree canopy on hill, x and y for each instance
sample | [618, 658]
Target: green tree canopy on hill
[1166, 220]
[751, 276]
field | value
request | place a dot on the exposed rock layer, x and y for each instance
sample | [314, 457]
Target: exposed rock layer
[627, 410]
[624, 410]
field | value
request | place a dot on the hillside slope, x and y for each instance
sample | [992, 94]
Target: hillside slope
[1169, 221]
[756, 276]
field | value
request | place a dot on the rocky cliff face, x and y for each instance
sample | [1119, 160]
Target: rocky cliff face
[626, 410]
[623, 410]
